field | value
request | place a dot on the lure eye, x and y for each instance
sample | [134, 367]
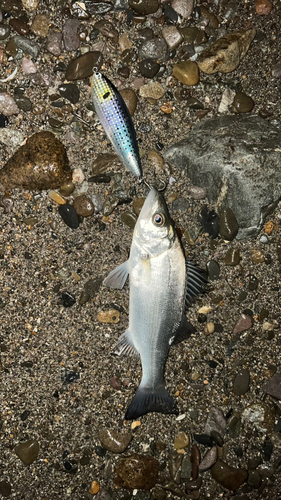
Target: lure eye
[106, 95]
[158, 220]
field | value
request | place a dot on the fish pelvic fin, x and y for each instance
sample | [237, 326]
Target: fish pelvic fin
[117, 278]
[149, 400]
[195, 282]
[125, 345]
[184, 331]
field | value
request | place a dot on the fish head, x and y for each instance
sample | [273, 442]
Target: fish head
[154, 231]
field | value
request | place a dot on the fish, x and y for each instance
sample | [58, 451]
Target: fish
[163, 284]
[116, 121]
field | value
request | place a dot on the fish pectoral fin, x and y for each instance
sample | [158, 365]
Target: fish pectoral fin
[195, 282]
[184, 331]
[117, 277]
[149, 400]
[125, 345]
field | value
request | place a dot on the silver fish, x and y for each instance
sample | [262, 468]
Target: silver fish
[162, 285]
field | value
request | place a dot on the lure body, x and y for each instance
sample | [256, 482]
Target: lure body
[116, 121]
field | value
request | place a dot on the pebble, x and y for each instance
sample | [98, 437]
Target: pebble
[27, 451]
[152, 90]
[224, 54]
[115, 383]
[4, 31]
[5, 488]
[175, 460]
[228, 224]
[83, 206]
[70, 92]
[181, 440]
[39, 164]
[135, 424]
[23, 103]
[94, 488]
[193, 35]
[183, 7]
[124, 72]
[172, 36]
[213, 270]
[209, 328]
[69, 216]
[262, 416]
[253, 283]
[154, 49]
[144, 7]
[129, 219]
[149, 68]
[30, 4]
[254, 479]
[243, 103]
[57, 197]
[4, 122]
[115, 441]
[130, 99]
[203, 439]
[137, 472]
[209, 459]
[186, 72]
[229, 477]
[186, 467]
[216, 422]
[241, 382]
[70, 34]
[195, 460]
[209, 221]
[103, 162]
[243, 323]
[27, 46]
[232, 257]
[193, 103]
[78, 175]
[180, 205]
[263, 7]
[43, 78]
[273, 386]
[124, 42]
[67, 188]
[82, 66]
[234, 425]
[8, 106]
[54, 43]
[226, 100]
[137, 205]
[40, 25]
[109, 205]
[111, 316]
[68, 300]
[257, 256]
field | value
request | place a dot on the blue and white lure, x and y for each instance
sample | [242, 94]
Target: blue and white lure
[116, 121]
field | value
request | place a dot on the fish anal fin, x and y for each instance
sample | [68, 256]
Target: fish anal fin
[184, 331]
[117, 277]
[195, 282]
[149, 400]
[125, 345]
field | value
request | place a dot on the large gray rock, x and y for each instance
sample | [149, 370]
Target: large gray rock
[237, 159]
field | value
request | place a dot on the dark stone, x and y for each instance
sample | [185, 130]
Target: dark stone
[68, 300]
[209, 221]
[70, 91]
[144, 7]
[100, 179]
[273, 386]
[5, 488]
[19, 26]
[171, 14]
[212, 155]
[149, 68]
[228, 224]
[232, 257]
[69, 215]
[23, 103]
[243, 103]
[203, 439]
[24, 416]
[137, 472]
[4, 122]
[82, 66]
[213, 270]
[68, 377]
[27, 451]
[228, 476]
[97, 8]
[267, 449]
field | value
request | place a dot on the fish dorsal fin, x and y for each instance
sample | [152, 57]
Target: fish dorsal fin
[125, 345]
[195, 282]
[184, 331]
[117, 277]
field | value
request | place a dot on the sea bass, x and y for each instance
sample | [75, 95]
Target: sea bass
[116, 121]
[162, 285]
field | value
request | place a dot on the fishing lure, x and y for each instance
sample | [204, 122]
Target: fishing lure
[116, 121]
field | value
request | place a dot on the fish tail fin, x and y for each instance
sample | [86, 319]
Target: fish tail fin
[149, 400]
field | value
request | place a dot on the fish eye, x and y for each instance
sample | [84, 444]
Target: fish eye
[158, 220]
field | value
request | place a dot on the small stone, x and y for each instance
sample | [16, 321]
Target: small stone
[129, 219]
[107, 29]
[193, 486]
[153, 90]
[27, 46]
[27, 451]
[273, 386]
[215, 422]
[83, 206]
[186, 467]
[234, 425]
[243, 103]
[257, 256]
[193, 103]
[23, 103]
[262, 416]
[203, 439]
[144, 7]
[115, 383]
[82, 66]
[228, 224]
[135, 424]
[124, 72]
[30, 4]
[195, 460]
[39, 164]
[137, 205]
[111, 316]
[181, 441]
[172, 36]
[5, 488]
[229, 477]
[254, 479]
[78, 175]
[130, 99]
[149, 68]
[226, 100]
[210, 328]
[103, 162]
[114, 441]
[4, 31]
[70, 92]
[253, 283]
[100, 179]
[213, 270]
[137, 472]
[232, 257]
[183, 7]
[268, 228]
[124, 42]
[263, 7]
[196, 192]
[68, 300]
[69, 215]
[175, 460]
[57, 198]
[209, 459]
[241, 383]
[95, 488]
[154, 49]
[4, 122]
[70, 35]
[109, 205]
[43, 78]
[40, 25]
[54, 43]
[67, 188]
[186, 72]
[8, 105]
[209, 221]
[243, 323]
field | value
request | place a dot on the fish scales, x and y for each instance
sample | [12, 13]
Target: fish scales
[162, 285]
[116, 121]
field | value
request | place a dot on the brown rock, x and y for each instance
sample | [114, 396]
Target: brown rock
[83, 205]
[107, 29]
[137, 472]
[82, 66]
[40, 25]
[40, 164]
[130, 100]
[103, 162]
[114, 441]
[244, 323]
[186, 72]
[27, 451]
[228, 476]
[263, 7]
[224, 55]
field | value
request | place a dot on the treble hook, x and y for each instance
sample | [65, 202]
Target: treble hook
[150, 187]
